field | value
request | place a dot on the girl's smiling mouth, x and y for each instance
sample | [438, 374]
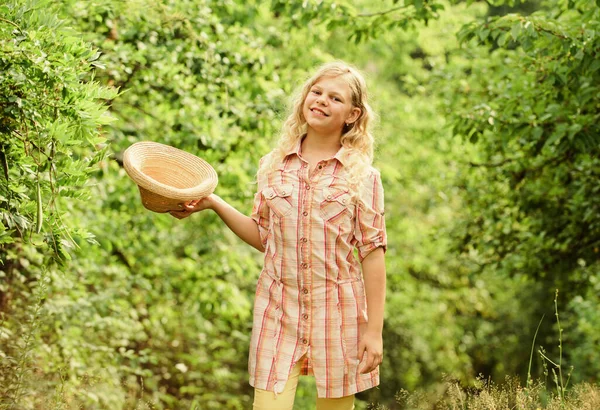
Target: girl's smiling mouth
[318, 111]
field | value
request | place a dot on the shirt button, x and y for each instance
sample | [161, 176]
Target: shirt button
[305, 341]
[305, 316]
[320, 166]
[305, 291]
[305, 213]
[304, 265]
[307, 187]
[303, 240]
[329, 197]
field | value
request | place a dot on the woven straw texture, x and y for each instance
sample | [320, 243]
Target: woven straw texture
[167, 176]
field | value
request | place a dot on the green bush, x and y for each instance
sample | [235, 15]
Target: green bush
[50, 144]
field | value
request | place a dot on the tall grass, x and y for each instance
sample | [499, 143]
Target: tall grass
[510, 395]
[16, 368]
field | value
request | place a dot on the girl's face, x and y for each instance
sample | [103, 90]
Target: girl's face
[328, 106]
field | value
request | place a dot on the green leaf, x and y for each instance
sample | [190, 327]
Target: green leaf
[557, 135]
[502, 39]
[515, 31]
[537, 132]
[483, 33]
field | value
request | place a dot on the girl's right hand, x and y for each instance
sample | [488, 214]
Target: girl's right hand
[195, 205]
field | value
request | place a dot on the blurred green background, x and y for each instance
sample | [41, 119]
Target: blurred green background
[487, 141]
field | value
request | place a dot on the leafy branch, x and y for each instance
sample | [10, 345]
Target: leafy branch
[381, 13]
[11, 23]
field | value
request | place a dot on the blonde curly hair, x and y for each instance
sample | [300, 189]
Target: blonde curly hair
[356, 138]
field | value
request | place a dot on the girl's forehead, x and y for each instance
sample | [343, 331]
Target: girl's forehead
[334, 83]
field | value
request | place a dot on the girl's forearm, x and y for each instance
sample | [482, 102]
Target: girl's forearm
[240, 224]
[374, 276]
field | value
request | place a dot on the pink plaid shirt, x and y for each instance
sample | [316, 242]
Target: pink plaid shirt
[310, 296]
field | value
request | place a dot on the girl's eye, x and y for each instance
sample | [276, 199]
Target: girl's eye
[316, 92]
[336, 99]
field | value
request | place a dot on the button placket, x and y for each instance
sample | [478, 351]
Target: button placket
[306, 193]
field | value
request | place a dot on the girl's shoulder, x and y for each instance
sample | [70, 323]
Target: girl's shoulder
[371, 180]
[265, 159]
[372, 172]
[265, 167]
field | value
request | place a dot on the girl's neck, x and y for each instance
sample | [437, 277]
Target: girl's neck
[315, 145]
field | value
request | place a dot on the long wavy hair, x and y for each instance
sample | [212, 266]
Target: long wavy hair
[356, 138]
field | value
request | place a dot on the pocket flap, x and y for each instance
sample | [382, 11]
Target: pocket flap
[281, 191]
[337, 195]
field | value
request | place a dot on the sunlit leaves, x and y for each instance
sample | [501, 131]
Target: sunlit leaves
[50, 118]
[359, 24]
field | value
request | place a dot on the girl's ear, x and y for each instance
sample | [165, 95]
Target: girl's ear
[353, 116]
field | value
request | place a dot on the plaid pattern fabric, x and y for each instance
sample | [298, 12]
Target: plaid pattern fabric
[310, 296]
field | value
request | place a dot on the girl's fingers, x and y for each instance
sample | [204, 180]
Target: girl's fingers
[371, 362]
[363, 357]
[190, 205]
[361, 350]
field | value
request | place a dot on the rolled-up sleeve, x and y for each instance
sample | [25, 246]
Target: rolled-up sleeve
[260, 210]
[369, 228]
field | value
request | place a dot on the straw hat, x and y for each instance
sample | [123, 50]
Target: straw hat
[167, 176]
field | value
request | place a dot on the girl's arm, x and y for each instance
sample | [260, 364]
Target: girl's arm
[373, 266]
[240, 224]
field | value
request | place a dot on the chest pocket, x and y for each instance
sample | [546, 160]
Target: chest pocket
[279, 199]
[336, 204]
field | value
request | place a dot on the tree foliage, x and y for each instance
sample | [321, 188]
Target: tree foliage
[50, 124]
[50, 144]
[530, 104]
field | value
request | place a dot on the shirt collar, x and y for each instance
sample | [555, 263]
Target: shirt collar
[340, 155]
[297, 148]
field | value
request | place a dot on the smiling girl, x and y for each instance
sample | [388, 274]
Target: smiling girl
[318, 217]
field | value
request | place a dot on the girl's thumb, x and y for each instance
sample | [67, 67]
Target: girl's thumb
[361, 350]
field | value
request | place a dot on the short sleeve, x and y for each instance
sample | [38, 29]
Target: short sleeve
[369, 228]
[260, 210]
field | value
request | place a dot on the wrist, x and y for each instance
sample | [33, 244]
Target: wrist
[213, 201]
[375, 329]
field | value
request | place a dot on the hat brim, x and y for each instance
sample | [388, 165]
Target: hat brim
[167, 176]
